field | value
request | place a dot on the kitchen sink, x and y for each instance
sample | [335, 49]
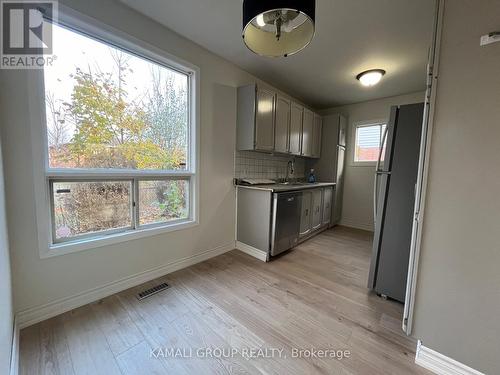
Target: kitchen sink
[294, 183]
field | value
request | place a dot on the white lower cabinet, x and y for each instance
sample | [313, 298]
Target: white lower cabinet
[317, 205]
[327, 205]
[316, 210]
[305, 213]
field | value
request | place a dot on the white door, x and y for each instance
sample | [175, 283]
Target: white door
[296, 114]
[307, 132]
[282, 126]
[264, 120]
[305, 214]
[316, 218]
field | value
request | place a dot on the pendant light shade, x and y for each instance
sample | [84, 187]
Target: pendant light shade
[278, 28]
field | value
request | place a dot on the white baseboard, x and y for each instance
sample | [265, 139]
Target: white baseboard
[252, 251]
[441, 364]
[37, 314]
[357, 225]
[14, 354]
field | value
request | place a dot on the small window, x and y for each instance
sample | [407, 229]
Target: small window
[83, 209]
[368, 142]
[119, 139]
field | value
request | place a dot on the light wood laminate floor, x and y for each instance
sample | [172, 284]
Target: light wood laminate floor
[312, 297]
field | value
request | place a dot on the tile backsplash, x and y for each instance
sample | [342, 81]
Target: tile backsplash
[251, 164]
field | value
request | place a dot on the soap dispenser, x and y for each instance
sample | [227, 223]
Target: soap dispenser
[312, 178]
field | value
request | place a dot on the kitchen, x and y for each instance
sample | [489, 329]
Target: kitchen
[297, 184]
[225, 178]
[296, 205]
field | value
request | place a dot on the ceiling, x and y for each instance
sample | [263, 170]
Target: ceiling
[351, 36]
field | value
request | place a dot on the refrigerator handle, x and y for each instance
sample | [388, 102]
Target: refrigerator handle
[377, 173]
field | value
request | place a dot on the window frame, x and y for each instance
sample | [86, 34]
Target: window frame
[45, 176]
[355, 127]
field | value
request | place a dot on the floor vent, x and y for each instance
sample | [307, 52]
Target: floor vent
[149, 292]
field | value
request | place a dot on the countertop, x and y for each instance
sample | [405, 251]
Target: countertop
[278, 188]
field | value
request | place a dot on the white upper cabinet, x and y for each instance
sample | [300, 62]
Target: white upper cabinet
[318, 125]
[307, 133]
[264, 120]
[272, 122]
[296, 114]
[282, 125]
[255, 119]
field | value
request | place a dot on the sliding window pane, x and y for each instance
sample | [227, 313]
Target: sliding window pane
[82, 208]
[161, 201]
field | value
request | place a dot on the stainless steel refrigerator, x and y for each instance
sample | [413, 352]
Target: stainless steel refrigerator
[394, 201]
[330, 166]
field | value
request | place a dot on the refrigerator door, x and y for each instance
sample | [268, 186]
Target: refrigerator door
[397, 198]
[381, 174]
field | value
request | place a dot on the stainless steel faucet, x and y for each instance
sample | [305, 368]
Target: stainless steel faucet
[290, 167]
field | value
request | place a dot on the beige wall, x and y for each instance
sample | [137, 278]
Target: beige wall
[458, 295]
[357, 208]
[39, 281]
[6, 309]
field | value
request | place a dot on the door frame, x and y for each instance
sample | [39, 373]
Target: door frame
[423, 168]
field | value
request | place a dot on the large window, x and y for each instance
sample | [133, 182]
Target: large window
[119, 140]
[368, 141]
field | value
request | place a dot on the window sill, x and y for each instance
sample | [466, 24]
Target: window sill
[363, 164]
[110, 239]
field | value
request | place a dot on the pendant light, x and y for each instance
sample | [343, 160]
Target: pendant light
[276, 28]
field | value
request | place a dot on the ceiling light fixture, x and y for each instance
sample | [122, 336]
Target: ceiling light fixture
[370, 77]
[276, 28]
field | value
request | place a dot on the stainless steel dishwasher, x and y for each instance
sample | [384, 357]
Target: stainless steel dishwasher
[285, 226]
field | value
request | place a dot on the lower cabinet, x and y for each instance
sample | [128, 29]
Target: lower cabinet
[317, 203]
[327, 205]
[316, 210]
[257, 218]
[305, 213]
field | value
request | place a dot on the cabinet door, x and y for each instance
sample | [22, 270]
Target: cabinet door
[264, 120]
[318, 125]
[296, 114]
[281, 138]
[316, 218]
[305, 213]
[307, 132]
[327, 205]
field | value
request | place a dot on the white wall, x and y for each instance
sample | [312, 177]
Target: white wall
[458, 294]
[39, 281]
[6, 309]
[357, 208]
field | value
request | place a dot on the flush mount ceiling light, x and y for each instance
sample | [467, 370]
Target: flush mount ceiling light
[276, 28]
[370, 77]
